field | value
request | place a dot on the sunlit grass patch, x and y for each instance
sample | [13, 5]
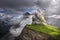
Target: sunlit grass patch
[50, 30]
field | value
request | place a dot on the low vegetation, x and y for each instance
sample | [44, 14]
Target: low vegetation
[47, 29]
[44, 27]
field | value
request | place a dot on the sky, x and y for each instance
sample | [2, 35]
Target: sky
[26, 4]
[23, 4]
[50, 7]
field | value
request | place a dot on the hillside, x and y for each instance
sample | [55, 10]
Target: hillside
[41, 31]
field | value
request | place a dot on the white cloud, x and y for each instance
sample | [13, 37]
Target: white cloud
[54, 16]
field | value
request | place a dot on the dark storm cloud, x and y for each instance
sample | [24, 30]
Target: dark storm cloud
[43, 3]
[23, 4]
[50, 6]
[17, 3]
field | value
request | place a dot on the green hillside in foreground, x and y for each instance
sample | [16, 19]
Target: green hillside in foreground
[47, 29]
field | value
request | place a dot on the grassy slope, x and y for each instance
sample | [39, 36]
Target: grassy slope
[50, 30]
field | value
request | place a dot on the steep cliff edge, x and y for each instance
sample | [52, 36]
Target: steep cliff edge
[29, 34]
[38, 32]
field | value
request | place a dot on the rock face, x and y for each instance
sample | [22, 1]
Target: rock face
[29, 34]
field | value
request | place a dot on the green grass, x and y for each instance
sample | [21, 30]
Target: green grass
[50, 30]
